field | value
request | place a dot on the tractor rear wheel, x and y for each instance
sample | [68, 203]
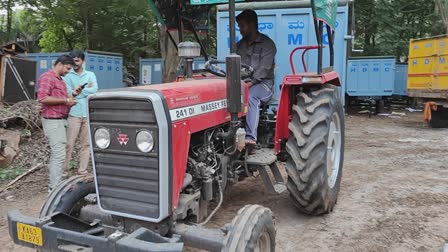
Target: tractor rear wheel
[251, 230]
[315, 150]
[68, 196]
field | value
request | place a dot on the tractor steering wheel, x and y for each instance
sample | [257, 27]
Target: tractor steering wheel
[212, 67]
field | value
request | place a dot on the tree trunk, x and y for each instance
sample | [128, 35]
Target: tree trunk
[169, 54]
[9, 17]
[441, 6]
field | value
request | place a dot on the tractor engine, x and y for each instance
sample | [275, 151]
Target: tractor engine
[204, 162]
[209, 169]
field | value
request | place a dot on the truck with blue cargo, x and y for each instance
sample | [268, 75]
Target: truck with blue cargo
[428, 77]
[163, 153]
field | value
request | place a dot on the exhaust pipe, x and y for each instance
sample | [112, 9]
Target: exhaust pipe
[233, 66]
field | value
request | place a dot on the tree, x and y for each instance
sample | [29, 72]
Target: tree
[28, 28]
[366, 25]
[442, 9]
[6, 27]
[384, 27]
[125, 27]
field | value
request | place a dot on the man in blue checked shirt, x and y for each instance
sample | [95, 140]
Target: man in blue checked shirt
[80, 84]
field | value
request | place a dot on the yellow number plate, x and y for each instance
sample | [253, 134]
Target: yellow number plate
[29, 234]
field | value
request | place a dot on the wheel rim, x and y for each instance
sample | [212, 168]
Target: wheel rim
[264, 243]
[334, 146]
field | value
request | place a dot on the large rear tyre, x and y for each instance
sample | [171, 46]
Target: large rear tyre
[315, 150]
[252, 230]
[68, 196]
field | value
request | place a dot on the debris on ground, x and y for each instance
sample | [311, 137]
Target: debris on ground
[413, 110]
[23, 146]
[23, 114]
[31, 170]
[398, 113]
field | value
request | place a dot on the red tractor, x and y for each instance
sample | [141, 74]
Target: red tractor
[162, 153]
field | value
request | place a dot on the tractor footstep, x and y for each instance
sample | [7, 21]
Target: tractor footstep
[262, 156]
[279, 188]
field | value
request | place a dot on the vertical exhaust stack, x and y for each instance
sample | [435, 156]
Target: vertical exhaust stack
[233, 66]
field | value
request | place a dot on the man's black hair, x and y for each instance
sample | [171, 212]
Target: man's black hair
[65, 60]
[249, 16]
[77, 54]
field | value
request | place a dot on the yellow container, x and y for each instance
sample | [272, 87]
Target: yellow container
[428, 67]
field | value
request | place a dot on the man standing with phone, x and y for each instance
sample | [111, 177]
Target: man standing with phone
[56, 102]
[80, 83]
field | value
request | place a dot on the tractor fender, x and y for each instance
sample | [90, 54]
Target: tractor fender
[181, 141]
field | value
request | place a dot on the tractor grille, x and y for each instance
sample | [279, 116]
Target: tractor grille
[127, 179]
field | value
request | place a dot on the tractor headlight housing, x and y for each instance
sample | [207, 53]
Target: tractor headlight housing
[102, 138]
[144, 141]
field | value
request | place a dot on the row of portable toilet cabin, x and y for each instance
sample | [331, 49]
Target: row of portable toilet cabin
[107, 66]
[291, 25]
[376, 77]
[366, 76]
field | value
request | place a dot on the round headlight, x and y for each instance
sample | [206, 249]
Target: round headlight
[145, 141]
[102, 138]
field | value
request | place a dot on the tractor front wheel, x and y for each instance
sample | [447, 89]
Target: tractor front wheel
[315, 150]
[251, 230]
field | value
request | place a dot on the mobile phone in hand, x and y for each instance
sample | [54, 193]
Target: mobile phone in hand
[80, 89]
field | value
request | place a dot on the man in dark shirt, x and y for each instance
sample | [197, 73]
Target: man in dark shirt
[52, 94]
[258, 51]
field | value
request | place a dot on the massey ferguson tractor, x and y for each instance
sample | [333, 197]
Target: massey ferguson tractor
[164, 155]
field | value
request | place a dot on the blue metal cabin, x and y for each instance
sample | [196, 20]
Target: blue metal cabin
[151, 70]
[108, 67]
[371, 76]
[401, 79]
[290, 28]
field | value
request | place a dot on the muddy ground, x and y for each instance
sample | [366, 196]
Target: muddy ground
[393, 197]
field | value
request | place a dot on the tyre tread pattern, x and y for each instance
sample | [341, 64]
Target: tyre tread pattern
[306, 148]
[250, 222]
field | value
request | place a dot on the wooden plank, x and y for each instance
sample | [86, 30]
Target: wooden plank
[2, 75]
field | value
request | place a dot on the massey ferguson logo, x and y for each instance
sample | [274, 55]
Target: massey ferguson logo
[123, 139]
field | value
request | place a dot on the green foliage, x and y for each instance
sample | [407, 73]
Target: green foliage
[11, 173]
[72, 165]
[384, 27]
[125, 27]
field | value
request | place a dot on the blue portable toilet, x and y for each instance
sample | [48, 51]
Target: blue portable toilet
[289, 27]
[108, 67]
[198, 63]
[401, 78]
[371, 76]
[150, 71]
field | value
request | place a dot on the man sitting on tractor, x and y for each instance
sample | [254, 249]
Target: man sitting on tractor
[258, 51]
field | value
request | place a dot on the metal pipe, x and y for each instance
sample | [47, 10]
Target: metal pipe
[232, 26]
[331, 44]
[319, 41]
[201, 238]
[189, 67]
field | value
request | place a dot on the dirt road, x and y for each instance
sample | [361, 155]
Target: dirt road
[393, 197]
